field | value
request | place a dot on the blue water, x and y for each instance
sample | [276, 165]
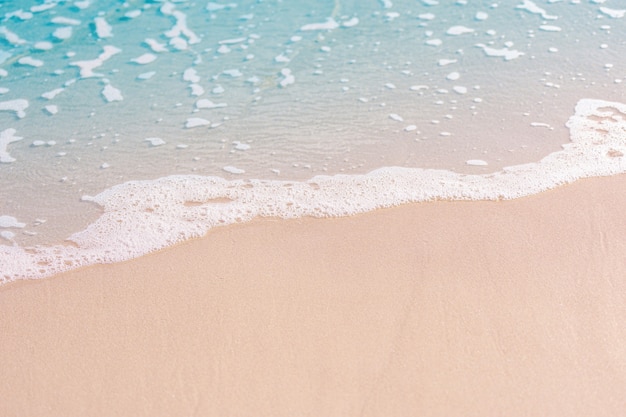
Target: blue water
[282, 90]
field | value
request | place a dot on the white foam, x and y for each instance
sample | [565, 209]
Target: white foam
[111, 93]
[434, 42]
[144, 59]
[103, 28]
[426, 16]
[87, 67]
[83, 4]
[205, 103]
[43, 45]
[614, 13]
[233, 170]
[49, 95]
[241, 146]
[459, 89]
[480, 16]
[443, 62]
[196, 90]
[18, 106]
[143, 216]
[133, 14]
[4, 90]
[195, 122]
[20, 14]
[453, 76]
[234, 73]
[191, 75]
[146, 75]
[531, 7]
[459, 30]
[7, 136]
[30, 61]
[550, 28]
[156, 46]
[330, 24]
[212, 7]
[43, 7]
[350, 22]
[155, 141]
[232, 41]
[11, 37]
[180, 27]
[63, 33]
[288, 77]
[9, 221]
[60, 20]
[506, 53]
[52, 109]
[476, 162]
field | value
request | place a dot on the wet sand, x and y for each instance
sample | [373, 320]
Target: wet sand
[509, 308]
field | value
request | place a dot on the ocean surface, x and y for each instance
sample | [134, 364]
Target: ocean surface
[126, 127]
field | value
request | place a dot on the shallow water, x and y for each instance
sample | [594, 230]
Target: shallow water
[105, 92]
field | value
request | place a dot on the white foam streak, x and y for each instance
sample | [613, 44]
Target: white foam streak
[7, 136]
[87, 67]
[143, 216]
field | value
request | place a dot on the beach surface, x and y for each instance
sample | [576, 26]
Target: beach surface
[443, 308]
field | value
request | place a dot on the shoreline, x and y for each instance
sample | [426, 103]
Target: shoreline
[437, 308]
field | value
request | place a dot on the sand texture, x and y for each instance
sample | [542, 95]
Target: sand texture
[511, 308]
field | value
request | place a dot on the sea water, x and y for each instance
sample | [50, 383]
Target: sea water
[126, 127]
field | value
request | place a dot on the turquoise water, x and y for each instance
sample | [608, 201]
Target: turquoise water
[242, 100]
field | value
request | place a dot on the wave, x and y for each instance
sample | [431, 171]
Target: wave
[143, 216]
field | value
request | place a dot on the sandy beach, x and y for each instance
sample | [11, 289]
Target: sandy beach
[507, 308]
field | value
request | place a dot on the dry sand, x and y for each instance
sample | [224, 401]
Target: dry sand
[512, 308]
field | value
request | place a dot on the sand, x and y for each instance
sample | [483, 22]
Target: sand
[509, 308]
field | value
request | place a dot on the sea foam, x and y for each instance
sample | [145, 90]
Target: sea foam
[142, 216]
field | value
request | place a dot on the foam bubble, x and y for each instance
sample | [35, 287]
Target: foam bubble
[9, 221]
[195, 122]
[103, 28]
[614, 13]
[156, 46]
[476, 162]
[60, 20]
[18, 106]
[330, 24]
[87, 67]
[11, 37]
[7, 136]
[506, 53]
[350, 22]
[459, 30]
[30, 61]
[49, 95]
[111, 93]
[550, 28]
[144, 59]
[155, 141]
[63, 33]
[531, 7]
[288, 77]
[52, 109]
[233, 170]
[43, 45]
[146, 75]
[208, 104]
